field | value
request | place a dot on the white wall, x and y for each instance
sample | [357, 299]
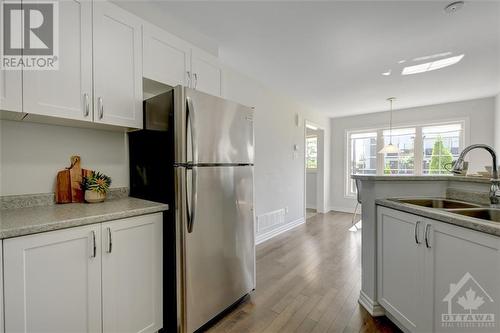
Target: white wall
[311, 179]
[479, 114]
[32, 154]
[279, 176]
[497, 123]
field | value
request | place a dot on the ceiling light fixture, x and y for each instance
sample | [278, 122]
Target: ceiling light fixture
[454, 7]
[431, 66]
[387, 73]
[390, 148]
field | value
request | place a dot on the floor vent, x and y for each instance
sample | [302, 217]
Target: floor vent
[271, 220]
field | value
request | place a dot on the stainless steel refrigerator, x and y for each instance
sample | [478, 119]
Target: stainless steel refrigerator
[211, 146]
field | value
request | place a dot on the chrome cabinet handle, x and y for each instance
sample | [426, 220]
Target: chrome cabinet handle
[427, 241]
[100, 106]
[110, 241]
[416, 233]
[195, 79]
[188, 78]
[86, 107]
[94, 246]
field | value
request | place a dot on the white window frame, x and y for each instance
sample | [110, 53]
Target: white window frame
[418, 146]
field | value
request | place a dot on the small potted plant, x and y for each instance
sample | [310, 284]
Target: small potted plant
[95, 186]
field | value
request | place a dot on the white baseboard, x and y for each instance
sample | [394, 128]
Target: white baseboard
[373, 308]
[342, 209]
[275, 232]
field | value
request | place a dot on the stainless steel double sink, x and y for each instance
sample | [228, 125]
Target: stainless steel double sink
[458, 207]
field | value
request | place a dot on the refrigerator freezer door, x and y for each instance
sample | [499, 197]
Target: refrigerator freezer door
[222, 130]
[220, 253]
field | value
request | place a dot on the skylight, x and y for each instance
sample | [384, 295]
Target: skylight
[433, 65]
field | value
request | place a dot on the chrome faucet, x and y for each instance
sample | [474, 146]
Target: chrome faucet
[458, 167]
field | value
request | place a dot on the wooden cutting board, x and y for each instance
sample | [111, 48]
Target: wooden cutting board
[68, 182]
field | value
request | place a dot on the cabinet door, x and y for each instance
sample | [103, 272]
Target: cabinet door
[400, 266]
[165, 57]
[462, 269]
[10, 82]
[52, 281]
[132, 274]
[66, 92]
[117, 66]
[206, 72]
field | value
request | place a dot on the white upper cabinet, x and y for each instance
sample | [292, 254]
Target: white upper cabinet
[166, 58]
[206, 72]
[11, 91]
[66, 92]
[10, 83]
[132, 274]
[52, 281]
[117, 66]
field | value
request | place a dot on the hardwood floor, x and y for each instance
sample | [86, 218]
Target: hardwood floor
[308, 280]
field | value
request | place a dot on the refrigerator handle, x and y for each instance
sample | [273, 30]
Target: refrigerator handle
[190, 123]
[191, 201]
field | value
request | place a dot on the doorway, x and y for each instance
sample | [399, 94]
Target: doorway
[313, 169]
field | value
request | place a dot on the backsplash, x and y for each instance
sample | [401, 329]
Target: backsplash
[466, 195]
[47, 199]
[32, 154]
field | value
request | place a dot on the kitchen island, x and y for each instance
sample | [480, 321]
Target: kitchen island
[373, 194]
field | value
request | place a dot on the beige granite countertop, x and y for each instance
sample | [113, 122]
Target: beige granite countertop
[485, 226]
[24, 221]
[421, 178]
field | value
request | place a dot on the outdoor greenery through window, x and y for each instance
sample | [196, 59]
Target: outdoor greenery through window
[423, 150]
[312, 152]
[441, 147]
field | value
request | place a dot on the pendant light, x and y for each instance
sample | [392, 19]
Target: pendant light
[390, 148]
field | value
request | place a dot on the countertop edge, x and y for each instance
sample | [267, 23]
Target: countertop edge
[422, 178]
[443, 216]
[153, 207]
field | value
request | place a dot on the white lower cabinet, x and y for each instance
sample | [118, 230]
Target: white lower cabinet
[400, 266]
[437, 277]
[132, 275]
[73, 280]
[462, 276]
[52, 281]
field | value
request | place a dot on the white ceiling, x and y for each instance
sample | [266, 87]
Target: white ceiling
[330, 55]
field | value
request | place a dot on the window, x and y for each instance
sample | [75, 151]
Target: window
[402, 163]
[423, 150]
[441, 146]
[363, 154]
[312, 152]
